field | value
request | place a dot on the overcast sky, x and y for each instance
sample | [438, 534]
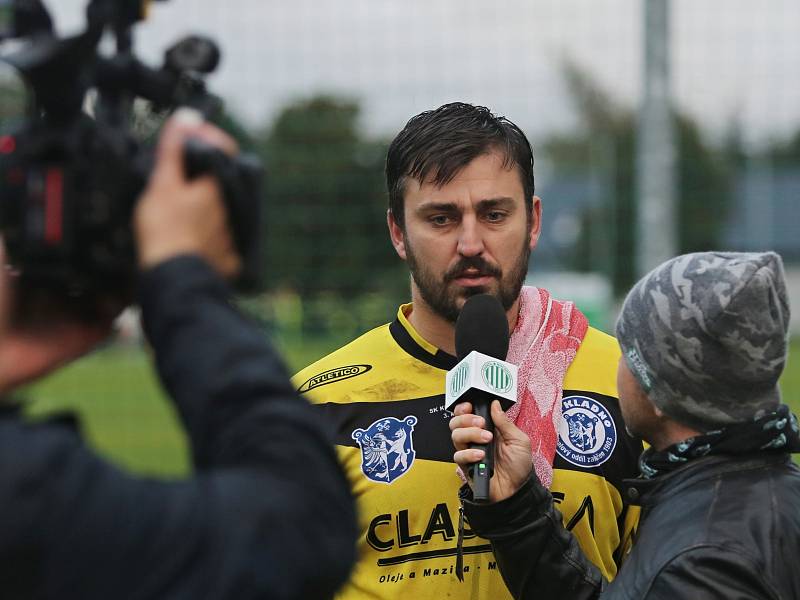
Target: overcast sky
[730, 58]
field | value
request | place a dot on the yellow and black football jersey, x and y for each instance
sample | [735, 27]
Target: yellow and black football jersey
[384, 395]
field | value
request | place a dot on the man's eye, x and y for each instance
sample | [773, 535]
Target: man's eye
[440, 220]
[495, 216]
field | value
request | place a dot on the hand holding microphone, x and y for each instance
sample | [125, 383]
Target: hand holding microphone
[483, 383]
[512, 448]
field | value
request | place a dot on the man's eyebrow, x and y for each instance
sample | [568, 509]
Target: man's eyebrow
[501, 202]
[437, 206]
[488, 203]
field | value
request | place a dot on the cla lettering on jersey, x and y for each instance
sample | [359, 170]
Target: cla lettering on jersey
[333, 375]
[389, 531]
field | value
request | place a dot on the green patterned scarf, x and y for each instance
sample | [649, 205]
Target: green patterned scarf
[777, 431]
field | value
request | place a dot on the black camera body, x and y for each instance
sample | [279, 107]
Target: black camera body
[69, 181]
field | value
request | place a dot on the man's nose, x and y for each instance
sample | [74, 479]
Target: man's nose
[470, 240]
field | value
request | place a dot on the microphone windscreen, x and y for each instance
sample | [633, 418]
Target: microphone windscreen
[482, 325]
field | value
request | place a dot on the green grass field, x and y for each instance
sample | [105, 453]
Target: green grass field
[125, 416]
[123, 410]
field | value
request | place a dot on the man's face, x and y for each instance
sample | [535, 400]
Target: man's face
[470, 236]
[642, 418]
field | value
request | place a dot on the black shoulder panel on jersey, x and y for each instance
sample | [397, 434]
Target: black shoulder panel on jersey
[589, 420]
[431, 436]
[440, 360]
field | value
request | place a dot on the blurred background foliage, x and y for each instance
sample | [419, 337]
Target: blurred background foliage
[330, 272]
[606, 137]
[327, 254]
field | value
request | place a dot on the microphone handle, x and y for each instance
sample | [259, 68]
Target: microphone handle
[483, 470]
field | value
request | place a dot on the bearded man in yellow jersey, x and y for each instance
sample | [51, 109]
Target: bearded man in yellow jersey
[463, 215]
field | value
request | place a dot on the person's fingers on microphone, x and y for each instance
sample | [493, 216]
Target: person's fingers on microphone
[466, 458]
[466, 420]
[456, 423]
[464, 436]
[462, 409]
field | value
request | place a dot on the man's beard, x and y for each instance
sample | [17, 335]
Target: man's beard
[443, 300]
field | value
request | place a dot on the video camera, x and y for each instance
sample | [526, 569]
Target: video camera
[69, 181]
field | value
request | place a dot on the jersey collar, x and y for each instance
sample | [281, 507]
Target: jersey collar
[414, 344]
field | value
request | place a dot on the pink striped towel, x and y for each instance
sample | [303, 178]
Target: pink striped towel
[543, 346]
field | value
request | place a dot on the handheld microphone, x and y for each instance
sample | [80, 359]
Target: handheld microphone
[482, 375]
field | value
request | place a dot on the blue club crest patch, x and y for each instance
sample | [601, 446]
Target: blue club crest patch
[387, 448]
[587, 435]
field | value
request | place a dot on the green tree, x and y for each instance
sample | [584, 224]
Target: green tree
[325, 202]
[785, 153]
[606, 141]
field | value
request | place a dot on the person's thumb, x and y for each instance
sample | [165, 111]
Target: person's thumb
[169, 153]
[501, 422]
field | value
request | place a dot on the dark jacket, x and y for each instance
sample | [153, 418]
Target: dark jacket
[267, 514]
[719, 527]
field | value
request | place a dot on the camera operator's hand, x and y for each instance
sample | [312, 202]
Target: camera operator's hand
[513, 460]
[175, 216]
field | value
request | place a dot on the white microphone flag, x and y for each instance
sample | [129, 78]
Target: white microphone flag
[481, 372]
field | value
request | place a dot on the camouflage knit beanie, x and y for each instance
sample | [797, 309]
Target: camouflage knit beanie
[706, 336]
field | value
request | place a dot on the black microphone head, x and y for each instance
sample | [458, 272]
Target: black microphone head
[482, 325]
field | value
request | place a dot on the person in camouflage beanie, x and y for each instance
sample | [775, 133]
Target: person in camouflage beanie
[703, 340]
[710, 320]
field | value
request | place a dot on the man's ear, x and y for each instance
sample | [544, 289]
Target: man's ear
[536, 221]
[396, 234]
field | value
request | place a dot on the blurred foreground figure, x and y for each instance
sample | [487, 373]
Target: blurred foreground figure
[464, 217]
[704, 341]
[267, 513]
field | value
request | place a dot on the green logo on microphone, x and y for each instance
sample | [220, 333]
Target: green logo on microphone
[459, 379]
[497, 377]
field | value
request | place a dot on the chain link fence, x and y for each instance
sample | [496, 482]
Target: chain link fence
[319, 87]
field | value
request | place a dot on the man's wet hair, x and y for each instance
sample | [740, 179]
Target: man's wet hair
[437, 144]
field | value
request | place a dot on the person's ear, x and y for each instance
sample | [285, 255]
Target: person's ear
[396, 234]
[535, 221]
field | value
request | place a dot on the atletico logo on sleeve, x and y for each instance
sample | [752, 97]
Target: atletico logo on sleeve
[387, 448]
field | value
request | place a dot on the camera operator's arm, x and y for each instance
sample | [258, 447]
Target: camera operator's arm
[288, 504]
[268, 513]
